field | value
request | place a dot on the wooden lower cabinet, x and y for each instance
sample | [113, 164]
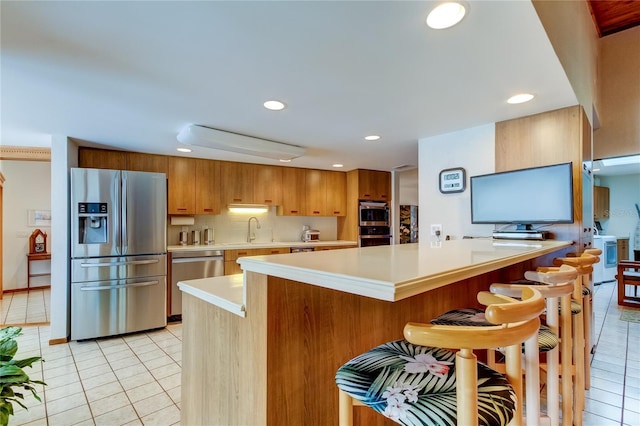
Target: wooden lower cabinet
[623, 249]
[231, 267]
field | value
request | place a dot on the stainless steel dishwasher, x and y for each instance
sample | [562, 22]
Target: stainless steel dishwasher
[190, 265]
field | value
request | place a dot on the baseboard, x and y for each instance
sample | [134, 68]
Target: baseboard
[20, 290]
[58, 341]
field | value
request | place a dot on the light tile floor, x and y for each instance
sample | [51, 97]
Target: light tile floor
[136, 379]
[25, 307]
[126, 380]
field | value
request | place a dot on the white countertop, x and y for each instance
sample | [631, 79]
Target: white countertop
[242, 245]
[225, 292]
[399, 271]
[385, 272]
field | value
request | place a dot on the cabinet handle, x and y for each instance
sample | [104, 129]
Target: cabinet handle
[367, 195]
[316, 212]
[182, 209]
[237, 200]
[268, 201]
[293, 211]
[242, 253]
[336, 212]
[208, 210]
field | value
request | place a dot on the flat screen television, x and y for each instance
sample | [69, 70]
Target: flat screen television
[537, 195]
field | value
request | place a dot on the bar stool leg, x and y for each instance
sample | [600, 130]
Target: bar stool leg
[566, 348]
[345, 409]
[578, 353]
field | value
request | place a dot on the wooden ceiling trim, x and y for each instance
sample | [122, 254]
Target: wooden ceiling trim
[25, 153]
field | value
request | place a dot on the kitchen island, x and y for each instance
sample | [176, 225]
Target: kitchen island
[308, 313]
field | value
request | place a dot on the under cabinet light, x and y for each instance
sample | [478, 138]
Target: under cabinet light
[208, 137]
[618, 161]
[248, 208]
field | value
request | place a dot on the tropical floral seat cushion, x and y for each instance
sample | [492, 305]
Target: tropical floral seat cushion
[547, 339]
[416, 385]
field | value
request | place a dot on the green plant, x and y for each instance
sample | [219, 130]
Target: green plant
[12, 375]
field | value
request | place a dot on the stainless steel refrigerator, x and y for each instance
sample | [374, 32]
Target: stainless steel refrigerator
[118, 252]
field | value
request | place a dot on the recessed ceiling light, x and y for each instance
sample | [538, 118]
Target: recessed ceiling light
[338, 165]
[372, 138]
[274, 105]
[283, 160]
[445, 15]
[520, 98]
[183, 149]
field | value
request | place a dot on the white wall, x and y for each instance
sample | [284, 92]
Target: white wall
[64, 155]
[624, 193]
[473, 149]
[26, 188]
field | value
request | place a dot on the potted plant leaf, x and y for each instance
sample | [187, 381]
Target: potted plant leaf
[12, 376]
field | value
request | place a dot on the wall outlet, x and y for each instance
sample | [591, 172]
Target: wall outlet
[436, 230]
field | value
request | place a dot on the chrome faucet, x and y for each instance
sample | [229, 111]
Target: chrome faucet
[249, 237]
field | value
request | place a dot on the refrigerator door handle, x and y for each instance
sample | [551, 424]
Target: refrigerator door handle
[110, 264]
[123, 213]
[119, 286]
[116, 215]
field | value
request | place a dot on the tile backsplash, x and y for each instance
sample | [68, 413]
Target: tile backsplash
[232, 227]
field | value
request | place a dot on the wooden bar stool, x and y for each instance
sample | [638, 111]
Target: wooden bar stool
[589, 321]
[584, 266]
[557, 291]
[418, 381]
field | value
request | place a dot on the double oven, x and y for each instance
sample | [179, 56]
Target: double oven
[374, 225]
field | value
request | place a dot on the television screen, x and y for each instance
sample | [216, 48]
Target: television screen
[524, 197]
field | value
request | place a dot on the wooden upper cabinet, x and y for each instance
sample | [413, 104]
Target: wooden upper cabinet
[267, 185]
[92, 158]
[336, 193]
[374, 185]
[294, 192]
[315, 193]
[600, 202]
[207, 187]
[140, 162]
[236, 182]
[181, 185]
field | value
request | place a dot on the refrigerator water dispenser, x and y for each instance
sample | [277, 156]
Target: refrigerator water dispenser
[92, 223]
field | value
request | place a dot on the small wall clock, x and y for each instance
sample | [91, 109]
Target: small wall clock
[38, 242]
[453, 180]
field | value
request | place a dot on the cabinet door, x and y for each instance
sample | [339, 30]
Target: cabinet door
[207, 190]
[293, 188]
[315, 193]
[102, 159]
[181, 178]
[382, 185]
[267, 185]
[336, 193]
[139, 162]
[374, 185]
[236, 182]
[600, 202]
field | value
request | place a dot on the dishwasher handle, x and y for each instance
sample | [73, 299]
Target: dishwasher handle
[197, 259]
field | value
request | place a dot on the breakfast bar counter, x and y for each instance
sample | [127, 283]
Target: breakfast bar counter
[305, 314]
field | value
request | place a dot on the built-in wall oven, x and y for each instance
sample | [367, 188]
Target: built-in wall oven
[374, 225]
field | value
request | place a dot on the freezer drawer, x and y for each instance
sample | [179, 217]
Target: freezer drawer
[113, 268]
[106, 308]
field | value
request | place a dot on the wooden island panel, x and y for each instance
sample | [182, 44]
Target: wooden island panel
[277, 365]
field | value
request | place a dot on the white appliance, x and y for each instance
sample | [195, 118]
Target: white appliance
[605, 270]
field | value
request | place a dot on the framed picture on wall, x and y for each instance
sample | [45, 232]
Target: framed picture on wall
[39, 218]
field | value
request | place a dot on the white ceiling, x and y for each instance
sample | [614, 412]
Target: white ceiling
[131, 74]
